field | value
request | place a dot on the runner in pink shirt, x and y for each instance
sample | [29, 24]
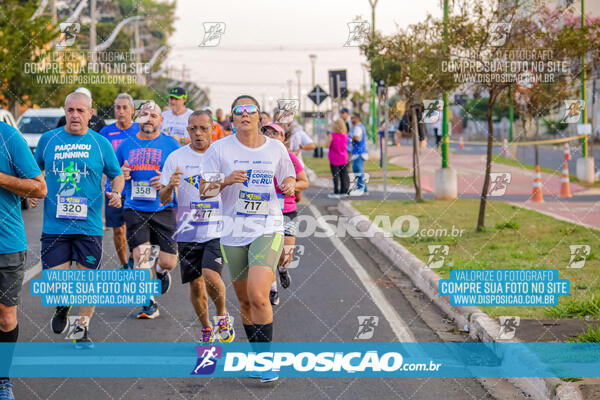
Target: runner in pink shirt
[289, 208]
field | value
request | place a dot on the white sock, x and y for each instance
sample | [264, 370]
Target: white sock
[83, 322]
[160, 270]
[274, 286]
[152, 299]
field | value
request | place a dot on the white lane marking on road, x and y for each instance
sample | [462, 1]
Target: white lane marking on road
[387, 310]
[31, 272]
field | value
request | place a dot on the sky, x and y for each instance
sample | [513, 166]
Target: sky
[266, 41]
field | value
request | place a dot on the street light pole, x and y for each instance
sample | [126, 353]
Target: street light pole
[373, 103]
[584, 143]
[313, 59]
[298, 74]
[445, 178]
[365, 68]
[93, 31]
[384, 140]
[445, 137]
[511, 115]
[53, 11]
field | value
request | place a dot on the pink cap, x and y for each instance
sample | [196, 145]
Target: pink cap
[274, 126]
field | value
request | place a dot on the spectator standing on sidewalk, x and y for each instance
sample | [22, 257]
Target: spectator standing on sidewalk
[338, 159]
[359, 154]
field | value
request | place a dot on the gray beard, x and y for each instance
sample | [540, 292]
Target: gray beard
[147, 129]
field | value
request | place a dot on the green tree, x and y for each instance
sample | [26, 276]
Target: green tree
[476, 109]
[520, 28]
[23, 43]
[155, 29]
[410, 60]
[568, 42]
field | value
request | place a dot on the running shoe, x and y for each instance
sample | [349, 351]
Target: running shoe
[357, 192]
[207, 335]
[269, 376]
[226, 332]
[149, 311]
[274, 297]
[84, 342]
[165, 281]
[334, 196]
[284, 277]
[6, 392]
[59, 321]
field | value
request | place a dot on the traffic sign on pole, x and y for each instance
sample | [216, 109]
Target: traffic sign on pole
[317, 95]
[338, 84]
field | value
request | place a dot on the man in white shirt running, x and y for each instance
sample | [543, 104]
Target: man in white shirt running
[176, 118]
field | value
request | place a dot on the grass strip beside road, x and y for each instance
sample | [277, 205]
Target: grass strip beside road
[513, 238]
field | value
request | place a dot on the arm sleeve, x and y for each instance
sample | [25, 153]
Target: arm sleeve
[285, 168]
[167, 170]
[112, 168]
[24, 163]
[357, 132]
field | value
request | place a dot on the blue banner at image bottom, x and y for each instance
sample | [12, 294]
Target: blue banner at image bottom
[297, 359]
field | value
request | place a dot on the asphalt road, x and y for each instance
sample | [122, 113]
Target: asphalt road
[322, 305]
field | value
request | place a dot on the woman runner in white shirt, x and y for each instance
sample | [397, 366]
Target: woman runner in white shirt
[252, 237]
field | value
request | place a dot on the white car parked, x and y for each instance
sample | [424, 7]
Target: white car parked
[35, 121]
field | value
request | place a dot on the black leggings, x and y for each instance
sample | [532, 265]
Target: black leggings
[341, 182]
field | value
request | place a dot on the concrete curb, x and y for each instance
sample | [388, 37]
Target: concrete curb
[479, 324]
